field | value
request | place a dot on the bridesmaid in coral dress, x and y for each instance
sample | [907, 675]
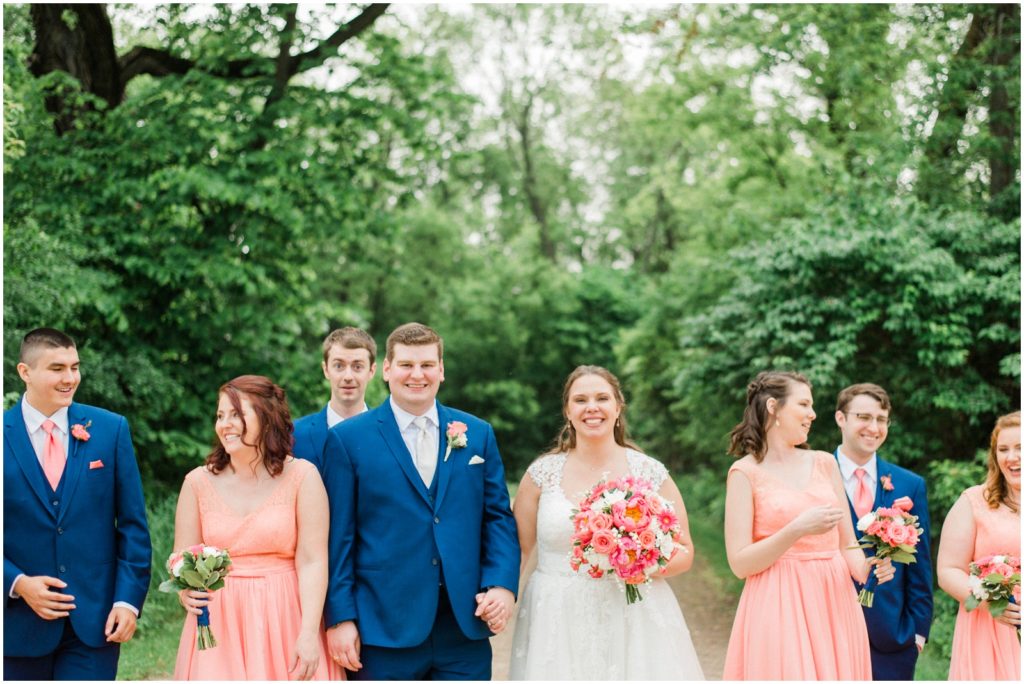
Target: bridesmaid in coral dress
[985, 521]
[270, 511]
[788, 533]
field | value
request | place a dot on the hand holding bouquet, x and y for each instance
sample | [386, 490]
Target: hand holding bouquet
[892, 533]
[202, 568]
[624, 530]
[995, 579]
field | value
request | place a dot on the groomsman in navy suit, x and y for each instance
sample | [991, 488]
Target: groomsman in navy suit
[349, 364]
[76, 545]
[424, 556]
[899, 621]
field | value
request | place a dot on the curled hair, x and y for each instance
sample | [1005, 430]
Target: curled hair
[566, 438]
[275, 440]
[750, 435]
[996, 490]
[413, 335]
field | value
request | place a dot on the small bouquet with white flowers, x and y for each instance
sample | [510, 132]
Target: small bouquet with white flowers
[203, 568]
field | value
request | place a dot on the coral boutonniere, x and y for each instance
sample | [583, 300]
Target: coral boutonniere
[81, 432]
[887, 483]
[456, 434]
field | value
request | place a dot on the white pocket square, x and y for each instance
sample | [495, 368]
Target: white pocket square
[475, 460]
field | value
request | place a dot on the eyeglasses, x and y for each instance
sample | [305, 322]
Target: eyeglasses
[882, 421]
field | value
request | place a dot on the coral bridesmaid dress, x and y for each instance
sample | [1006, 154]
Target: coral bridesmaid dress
[799, 619]
[256, 617]
[983, 648]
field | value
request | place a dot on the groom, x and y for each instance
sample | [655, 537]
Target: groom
[76, 546]
[901, 616]
[424, 557]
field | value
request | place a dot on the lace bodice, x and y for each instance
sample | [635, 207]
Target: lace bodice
[777, 502]
[554, 510]
[264, 536]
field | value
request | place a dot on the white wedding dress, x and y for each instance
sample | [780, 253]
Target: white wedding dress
[571, 626]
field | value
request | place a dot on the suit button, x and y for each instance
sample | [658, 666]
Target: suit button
[433, 561]
[56, 503]
[60, 530]
[62, 569]
[437, 520]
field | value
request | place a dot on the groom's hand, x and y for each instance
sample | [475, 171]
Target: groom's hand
[343, 645]
[37, 593]
[495, 608]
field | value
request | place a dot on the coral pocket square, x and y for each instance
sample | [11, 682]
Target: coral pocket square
[475, 460]
[93, 465]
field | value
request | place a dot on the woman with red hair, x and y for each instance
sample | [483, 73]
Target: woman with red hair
[270, 511]
[985, 521]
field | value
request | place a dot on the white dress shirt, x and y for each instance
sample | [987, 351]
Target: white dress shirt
[409, 430]
[333, 418]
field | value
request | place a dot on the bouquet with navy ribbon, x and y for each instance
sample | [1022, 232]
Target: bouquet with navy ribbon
[892, 533]
[202, 568]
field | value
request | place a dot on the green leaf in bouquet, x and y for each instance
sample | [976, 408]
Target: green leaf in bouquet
[219, 584]
[972, 602]
[192, 578]
[993, 578]
[171, 586]
[901, 556]
[909, 548]
[997, 606]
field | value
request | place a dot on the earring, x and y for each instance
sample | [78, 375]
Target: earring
[777, 424]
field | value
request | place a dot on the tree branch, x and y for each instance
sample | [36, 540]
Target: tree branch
[327, 48]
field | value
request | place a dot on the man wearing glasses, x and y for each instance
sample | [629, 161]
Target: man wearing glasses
[901, 616]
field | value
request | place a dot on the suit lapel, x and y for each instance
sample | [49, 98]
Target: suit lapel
[16, 434]
[77, 453]
[388, 427]
[444, 471]
[882, 497]
[319, 433]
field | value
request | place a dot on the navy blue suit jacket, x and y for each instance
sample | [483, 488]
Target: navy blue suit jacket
[903, 606]
[392, 542]
[95, 539]
[310, 436]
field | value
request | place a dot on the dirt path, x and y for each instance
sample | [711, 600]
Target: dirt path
[707, 609]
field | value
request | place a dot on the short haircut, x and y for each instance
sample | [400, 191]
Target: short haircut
[42, 338]
[868, 388]
[413, 335]
[350, 338]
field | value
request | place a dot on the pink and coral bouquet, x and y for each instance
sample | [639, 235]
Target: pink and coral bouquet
[198, 567]
[892, 533]
[995, 579]
[626, 531]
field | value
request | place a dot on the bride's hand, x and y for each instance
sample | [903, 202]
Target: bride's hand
[305, 656]
[193, 600]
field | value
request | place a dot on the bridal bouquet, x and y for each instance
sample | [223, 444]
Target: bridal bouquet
[626, 531]
[995, 579]
[203, 568]
[892, 533]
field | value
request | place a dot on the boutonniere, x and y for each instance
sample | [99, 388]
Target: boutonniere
[456, 434]
[887, 483]
[81, 432]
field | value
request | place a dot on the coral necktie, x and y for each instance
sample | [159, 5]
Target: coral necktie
[863, 499]
[53, 455]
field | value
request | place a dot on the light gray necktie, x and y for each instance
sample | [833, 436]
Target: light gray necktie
[426, 451]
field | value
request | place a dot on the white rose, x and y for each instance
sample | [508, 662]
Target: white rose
[176, 568]
[211, 551]
[976, 587]
[613, 496]
[998, 559]
[865, 522]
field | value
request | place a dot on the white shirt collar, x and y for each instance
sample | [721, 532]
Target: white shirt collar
[847, 467]
[333, 418]
[405, 419]
[34, 418]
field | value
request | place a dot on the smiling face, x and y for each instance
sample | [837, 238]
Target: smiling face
[794, 416]
[414, 375]
[592, 408]
[238, 439]
[51, 379]
[349, 371]
[865, 425]
[1008, 456]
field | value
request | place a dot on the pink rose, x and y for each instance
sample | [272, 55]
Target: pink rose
[903, 504]
[887, 483]
[1003, 569]
[913, 535]
[596, 572]
[196, 549]
[79, 432]
[875, 528]
[898, 534]
[600, 521]
[603, 542]
[648, 539]
[456, 428]
[655, 505]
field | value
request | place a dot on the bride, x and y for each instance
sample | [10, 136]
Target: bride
[569, 625]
